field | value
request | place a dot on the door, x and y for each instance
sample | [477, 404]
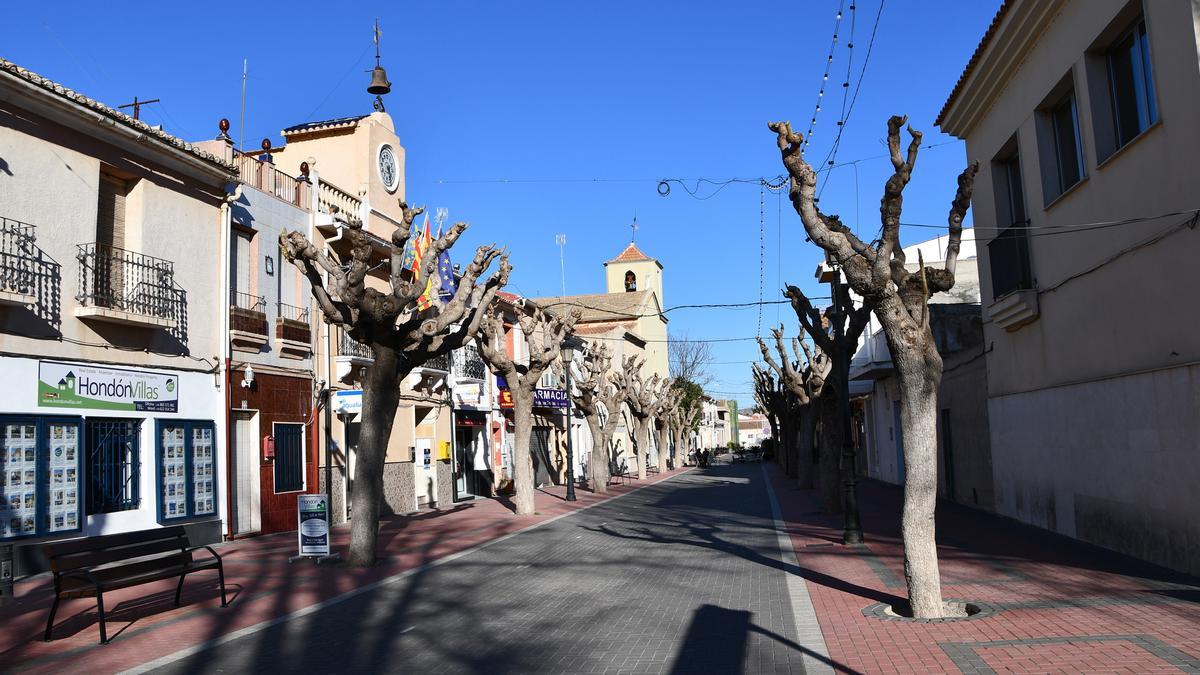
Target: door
[247, 487]
[948, 450]
[899, 436]
[539, 447]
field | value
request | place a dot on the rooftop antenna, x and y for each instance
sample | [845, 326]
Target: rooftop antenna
[379, 82]
[634, 226]
[242, 123]
[561, 240]
[137, 106]
[439, 217]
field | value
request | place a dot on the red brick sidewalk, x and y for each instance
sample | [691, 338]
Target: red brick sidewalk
[144, 625]
[1055, 605]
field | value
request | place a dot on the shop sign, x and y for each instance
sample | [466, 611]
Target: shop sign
[506, 399]
[468, 394]
[347, 402]
[428, 463]
[74, 385]
[549, 398]
[314, 525]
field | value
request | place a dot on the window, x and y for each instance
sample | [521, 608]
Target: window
[1008, 253]
[186, 469]
[1068, 154]
[1131, 84]
[40, 490]
[113, 465]
[289, 457]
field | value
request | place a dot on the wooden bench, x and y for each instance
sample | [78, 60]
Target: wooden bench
[93, 565]
[651, 469]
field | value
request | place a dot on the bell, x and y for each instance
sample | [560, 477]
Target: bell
[379, 82]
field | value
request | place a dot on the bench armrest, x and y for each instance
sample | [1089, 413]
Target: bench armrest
[214, 554]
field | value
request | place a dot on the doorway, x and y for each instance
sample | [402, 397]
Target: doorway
[539, 447]
[467, 442]
[247, 502]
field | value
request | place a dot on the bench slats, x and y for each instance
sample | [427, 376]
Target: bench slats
[109, 554]
[58, 548]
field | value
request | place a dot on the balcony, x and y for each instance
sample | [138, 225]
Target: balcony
[247, 322]
[1015, 301]
[264, 176]
[134, 289]
[16, 263]
[293, 331]
[468, 365]
[438, 363]
[353, 357]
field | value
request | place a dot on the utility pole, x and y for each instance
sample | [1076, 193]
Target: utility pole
[561, 240]
[137, 106]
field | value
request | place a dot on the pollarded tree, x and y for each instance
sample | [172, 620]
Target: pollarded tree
[769, 397]
[900, 299]
[664, 409]
[641, 397]
[845, 325]
[401, 335]
[685, 416]
[544, 333]
[599, 397]
[804, 380]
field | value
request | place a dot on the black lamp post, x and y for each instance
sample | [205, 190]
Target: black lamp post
[852, 532]
[567, 351]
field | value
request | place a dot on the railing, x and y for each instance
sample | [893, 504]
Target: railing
[292, 324]
[131, 282]
[16, 256]
[441, 363]
[351, 347]
[467, 363]
[1008, 254]
[265, 177]
[292, 312]
[247, 313]
[331, 197]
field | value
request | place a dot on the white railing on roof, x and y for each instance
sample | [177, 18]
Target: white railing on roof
[331, 197]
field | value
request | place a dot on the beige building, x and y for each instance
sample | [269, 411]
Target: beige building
[1082, 114]
[112, 416]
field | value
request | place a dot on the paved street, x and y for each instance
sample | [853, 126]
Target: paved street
[682, 576]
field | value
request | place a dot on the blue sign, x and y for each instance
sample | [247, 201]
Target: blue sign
[501, 382]
[549, 398]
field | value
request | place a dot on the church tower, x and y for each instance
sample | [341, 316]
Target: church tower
[633, 271]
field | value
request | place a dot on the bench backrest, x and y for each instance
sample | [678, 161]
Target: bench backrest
[75, 554]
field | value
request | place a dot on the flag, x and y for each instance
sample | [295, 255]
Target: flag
[425, 301]
[447, 286]
[410, 246]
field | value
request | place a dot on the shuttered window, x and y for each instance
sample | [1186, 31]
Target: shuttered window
[110, 214]
[289, 457]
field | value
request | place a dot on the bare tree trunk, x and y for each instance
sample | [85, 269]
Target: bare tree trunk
[779, 432]
[664, 445]
[806, 432]
[919, 371]
[381, 396]
[829, 480]
[599, 461]
[522, 452]
[642, 443]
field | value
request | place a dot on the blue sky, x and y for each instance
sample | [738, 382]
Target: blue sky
[537, 118]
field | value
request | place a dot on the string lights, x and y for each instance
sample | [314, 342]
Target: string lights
[837, 23]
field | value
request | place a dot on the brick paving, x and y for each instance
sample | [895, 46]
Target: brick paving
[1054, 605]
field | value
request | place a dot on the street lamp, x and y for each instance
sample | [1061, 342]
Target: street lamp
[567, 351]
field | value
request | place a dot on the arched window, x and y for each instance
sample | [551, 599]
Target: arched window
[630, 282]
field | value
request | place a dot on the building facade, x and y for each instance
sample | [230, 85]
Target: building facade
[1085, 201]
[111, 335]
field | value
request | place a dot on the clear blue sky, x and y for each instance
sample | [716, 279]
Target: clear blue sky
[551, 95]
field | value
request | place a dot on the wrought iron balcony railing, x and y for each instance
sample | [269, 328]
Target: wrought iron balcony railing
[247, 313]
[441, 363]
[468, 364]
[351, 347]
[292, 312]
[136, 283]
[292, 324]
[17, 257]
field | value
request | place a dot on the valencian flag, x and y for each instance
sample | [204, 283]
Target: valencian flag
[410, 246]
[421, 249]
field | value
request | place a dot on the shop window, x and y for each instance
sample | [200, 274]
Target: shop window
[113, 465]
[40, 488]
[289, 457]
[185, 469]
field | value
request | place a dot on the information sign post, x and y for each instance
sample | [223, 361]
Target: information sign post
[313, 529]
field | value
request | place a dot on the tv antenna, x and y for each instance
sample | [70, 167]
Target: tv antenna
[137, 106]
[561, 240]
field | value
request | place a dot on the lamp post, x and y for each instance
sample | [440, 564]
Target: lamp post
[852, 532]
[567, 351]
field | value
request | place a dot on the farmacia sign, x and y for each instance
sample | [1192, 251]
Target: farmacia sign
[74, 385]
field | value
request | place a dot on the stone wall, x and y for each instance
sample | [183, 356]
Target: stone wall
[445, 484]
[399, 488]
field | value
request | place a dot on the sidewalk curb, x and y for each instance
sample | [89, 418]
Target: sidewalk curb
[808, 629]
[387, 581]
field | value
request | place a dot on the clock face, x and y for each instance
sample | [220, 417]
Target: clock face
[388, 172]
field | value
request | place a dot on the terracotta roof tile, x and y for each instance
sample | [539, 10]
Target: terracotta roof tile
[18, 72]
[630, 254]
[979, 50]
[601, 306]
